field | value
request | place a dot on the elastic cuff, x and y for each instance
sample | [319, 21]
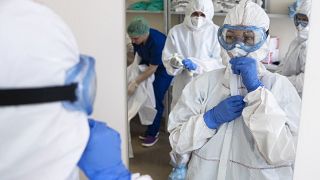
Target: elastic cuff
[259, 84]
[258, 88]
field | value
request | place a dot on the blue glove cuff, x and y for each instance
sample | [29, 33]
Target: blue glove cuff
[258, 84]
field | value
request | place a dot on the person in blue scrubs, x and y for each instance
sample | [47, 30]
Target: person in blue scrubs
[149, 43]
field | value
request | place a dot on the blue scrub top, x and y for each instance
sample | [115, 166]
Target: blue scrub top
[151, 51]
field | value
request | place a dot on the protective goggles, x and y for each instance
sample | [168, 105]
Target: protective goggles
[84, 75]
[78, 92]
[301, 19]
[248, 38]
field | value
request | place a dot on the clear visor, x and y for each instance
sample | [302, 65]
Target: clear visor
[248, 38]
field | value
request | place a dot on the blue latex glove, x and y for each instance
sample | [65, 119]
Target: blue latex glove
[188, 64]
[101, 159]
[178, 173]
[226, 111]
[292, 9]
[247, 68]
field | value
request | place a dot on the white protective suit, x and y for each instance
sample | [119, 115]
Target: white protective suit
[197, 44]
[42, 141]
[143, 101]
[293, 65]
[262, 142]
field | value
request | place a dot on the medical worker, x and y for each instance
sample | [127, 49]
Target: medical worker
[47, 92]
[195, 41]
[293, 65]
[240, 122]
[37, 140]
[148, 43]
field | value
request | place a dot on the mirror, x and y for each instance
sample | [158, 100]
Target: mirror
[216, 101]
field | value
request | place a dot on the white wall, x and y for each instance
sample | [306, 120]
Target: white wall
[282, 27]
[308, 153]
[99, 30]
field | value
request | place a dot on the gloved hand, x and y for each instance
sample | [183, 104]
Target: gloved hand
[188, 64]
[175, 62]
[133, 85]
[137, 176]
[247, 68]
[226, 111]
[101, 158]
[178, 173]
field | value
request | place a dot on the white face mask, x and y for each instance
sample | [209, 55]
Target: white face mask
[303, 32]
[197, 22]
[237, 52]
[235, 80]
[259, 54]
[299, 27]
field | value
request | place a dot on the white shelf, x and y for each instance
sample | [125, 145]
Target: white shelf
[144, 12]
[182, 13]
[271, 15]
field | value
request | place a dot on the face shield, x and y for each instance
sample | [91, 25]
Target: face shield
[246, 38]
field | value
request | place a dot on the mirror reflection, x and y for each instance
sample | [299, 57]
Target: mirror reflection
[215, 95]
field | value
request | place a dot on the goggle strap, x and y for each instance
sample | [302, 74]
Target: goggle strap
[12, 97]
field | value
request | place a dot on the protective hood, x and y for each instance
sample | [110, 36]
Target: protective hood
[248, 13]
[204, 6]
[304, 8]
[37, 48]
